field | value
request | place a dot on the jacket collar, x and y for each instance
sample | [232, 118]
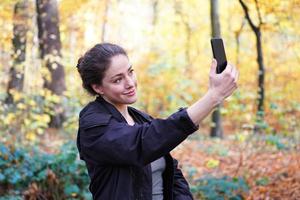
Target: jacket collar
[109, 108]
[146, 117]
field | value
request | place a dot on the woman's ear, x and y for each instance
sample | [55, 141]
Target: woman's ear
[97, 88]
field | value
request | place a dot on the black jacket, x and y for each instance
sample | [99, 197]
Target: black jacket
[118, 155]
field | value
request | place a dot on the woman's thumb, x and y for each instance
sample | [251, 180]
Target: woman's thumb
[213, 68]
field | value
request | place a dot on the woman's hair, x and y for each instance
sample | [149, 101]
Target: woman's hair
[95, 62]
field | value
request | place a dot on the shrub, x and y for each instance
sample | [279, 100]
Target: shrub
[212, 188]
[38, 175]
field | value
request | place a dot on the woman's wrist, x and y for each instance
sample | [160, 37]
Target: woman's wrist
[214, 97]
[200, 109]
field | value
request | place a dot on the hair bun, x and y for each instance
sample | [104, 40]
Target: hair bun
[79, 62]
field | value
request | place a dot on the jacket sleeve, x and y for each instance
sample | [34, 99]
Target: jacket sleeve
[104, 140]
[181, 190]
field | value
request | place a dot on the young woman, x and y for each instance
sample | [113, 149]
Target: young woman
[125, 150]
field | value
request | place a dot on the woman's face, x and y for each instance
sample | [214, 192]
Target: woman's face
[119, 82]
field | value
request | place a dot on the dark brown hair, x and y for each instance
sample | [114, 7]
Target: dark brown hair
[95, 62]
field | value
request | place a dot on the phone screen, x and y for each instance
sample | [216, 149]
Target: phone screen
[219, 53]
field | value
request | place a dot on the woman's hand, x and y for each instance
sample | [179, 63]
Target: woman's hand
[222, 85]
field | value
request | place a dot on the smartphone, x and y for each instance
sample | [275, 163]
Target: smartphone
[219, 53]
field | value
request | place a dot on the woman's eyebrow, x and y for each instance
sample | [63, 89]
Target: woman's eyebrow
[130, 67]
[120, 74]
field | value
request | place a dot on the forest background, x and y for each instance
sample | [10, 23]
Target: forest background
[247, 149]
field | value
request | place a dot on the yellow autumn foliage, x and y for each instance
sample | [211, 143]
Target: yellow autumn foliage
[169, 47]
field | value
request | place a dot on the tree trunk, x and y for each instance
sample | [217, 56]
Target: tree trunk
[155, 11]
[184, 19]
[105, 13]
[20, 28]
[237, 40]
[50, 51]
[261, 68]
[154, 21]
[216, 129]
[261, 77]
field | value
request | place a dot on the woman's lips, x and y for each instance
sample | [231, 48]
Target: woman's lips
[130, 93]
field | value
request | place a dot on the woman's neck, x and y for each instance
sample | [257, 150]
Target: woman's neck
[123, 109]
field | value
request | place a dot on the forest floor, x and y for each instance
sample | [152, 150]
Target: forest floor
[270, 167]
[269, 164]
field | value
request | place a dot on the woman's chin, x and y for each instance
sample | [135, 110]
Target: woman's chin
[131, 99]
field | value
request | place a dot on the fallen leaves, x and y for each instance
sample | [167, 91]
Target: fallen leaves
[270, 174]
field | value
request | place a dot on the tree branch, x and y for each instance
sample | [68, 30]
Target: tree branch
[258, 12]
[246, 10]
[237, 38]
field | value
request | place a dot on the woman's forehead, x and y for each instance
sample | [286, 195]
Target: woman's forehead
[119, 64]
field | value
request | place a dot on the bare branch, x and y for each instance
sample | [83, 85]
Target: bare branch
[104, 17]
[246, 10]
[258, 12]
[237, 39]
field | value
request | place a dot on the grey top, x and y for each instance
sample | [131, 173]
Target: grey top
[158, 166]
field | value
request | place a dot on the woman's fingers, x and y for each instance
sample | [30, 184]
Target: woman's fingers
[230, 90]
[237, 74]
[233, 73]
[232, 80]
[213, 67]
[228, 69]
[225, 83]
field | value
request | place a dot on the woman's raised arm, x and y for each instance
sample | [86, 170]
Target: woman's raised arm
[220, 86]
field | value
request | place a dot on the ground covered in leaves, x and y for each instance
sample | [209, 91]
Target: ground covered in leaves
[270, 165]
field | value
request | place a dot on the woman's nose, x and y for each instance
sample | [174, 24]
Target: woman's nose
[129, 82]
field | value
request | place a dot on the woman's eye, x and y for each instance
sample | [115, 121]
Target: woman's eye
[131, 71]
[117, 80]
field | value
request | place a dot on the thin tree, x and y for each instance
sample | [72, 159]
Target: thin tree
[216, 130]
[50, 51]
[237, 35]
[154, 20]
[261, 68]
[20, 29]
[155, 12]
[104, 17]
[188, 31]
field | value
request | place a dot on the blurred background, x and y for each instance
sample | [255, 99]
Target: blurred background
[246, 149]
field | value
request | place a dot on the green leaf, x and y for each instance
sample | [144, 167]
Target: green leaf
[262, 181]
[2, 177]
[71, 189]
